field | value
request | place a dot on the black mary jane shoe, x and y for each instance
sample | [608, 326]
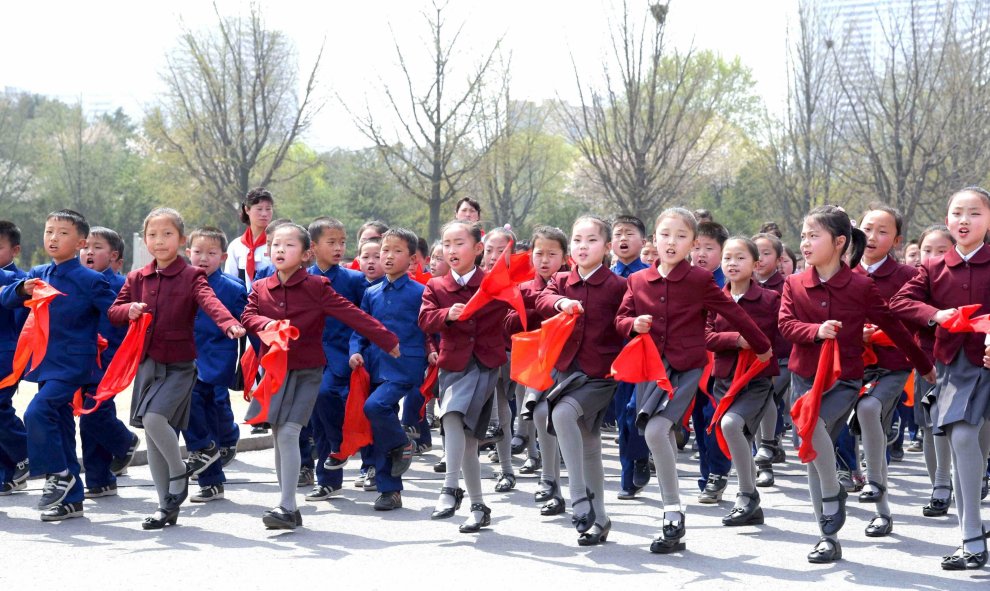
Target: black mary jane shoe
[938, 507]
[281, 518]
[505, 483]
[670, 536]
[831, 524]
[531, 466]
[764, 476]
[598, 534]
[518, 448]
[963, 560]
[555, 506]
[175, 501]
[751, 514]
[825, 551]
[160, 519]
[547, 491]
[584, 522]
[674, 530]
[475, 526]
[458, 494]
[880, 526]
[873, 496]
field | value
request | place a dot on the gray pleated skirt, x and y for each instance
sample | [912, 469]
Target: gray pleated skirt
[888, 390]
[924, 396]
[294, 401]
[164, 389]
[592, 395]
[533, 397]
[652, 400]
[837, 402]
[781, 381]
[962, 393]
[751, 403]
[471, 393]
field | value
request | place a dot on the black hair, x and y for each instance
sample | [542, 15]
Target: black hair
[274, 224]
[521, 246]
[701, 213]
[324, 224]
[473, 228]
[410, 238]
[75, 218]
[378, 225]
[898, 218]
[303, 233]
[630, 220]
[716, 232]
[423, 247]
[254, 197]
[836, 222]
[771, 228]
[11, 232]
[773, 239]
[209, 233]
[167, 212]
[750, 246]
[373, 240]
[550, 233]
[500, 230]
[983, 193]
[474, 204]
[112, 237]
[936, 229]
[791, 255]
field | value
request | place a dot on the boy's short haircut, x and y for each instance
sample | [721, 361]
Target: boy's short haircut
[379, 226]
[73, 217]
[423, 248]
[630, 220]
[324, 224]
[715, 231]
[410, 238]
[210, 233]
[274, 224]
[11, 232]
[112, 237]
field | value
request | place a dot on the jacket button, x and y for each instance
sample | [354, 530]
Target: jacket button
[965, 286]
[661, 319]
[152, 292]
[824, 304]
[281, 304]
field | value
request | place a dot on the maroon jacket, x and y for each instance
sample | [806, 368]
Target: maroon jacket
[948, 282]
[595, 343]
[781, 347]
[680, 304]
[761, 305]
[889, 278]
[481, 336]
[530, 290]
[849, 298]
[306, 300]
[173, 295]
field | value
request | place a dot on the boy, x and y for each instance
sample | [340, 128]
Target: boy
[367, 231]
[210, 415]
[369, 258]
[369, 261]
[395, 302]
[68, 364]
[628, 235]
[329, 239]
[707, 252]
[108, 446]
[13, 437]
[649, 255]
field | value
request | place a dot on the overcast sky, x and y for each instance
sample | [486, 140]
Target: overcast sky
[111, 52]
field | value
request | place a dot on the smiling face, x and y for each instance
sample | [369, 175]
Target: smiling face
[163, 239]
[62, 240]
[495, 245]
[548, 257]
[395, 257]
[767, 265]
[818, 246]
[288, 251]
[968, 219]
[329, 247]
[674, 240]
[460, 248]
[737, 261]
[627, 242]
[588, 245]
[97, 254]
[206, 254]
[881, 235]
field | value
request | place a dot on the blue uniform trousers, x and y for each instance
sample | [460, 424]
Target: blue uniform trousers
[51, 429]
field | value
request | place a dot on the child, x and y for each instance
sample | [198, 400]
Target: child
[171, 291]
[249, 253]
[210, 415]
[369, 262]
[962, 394]
[741, 420]
[628, 234]
[370, 259]
[419, 428]
[829, 301]
[108, 446]
[471, 353]
[306, 300]
[438, 262]
[912, 253]
[395, 303]
[68, 364]
[649, 255]
[13, 437]
[787, 265]
[582, 391]
[670, 303]
[368, 231]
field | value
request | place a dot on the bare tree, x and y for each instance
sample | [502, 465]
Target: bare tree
[231, 112]
[16, 174]
[436, 148]
[647, 133]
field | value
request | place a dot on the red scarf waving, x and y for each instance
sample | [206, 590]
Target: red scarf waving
[806, 409]
[877, 339]
[357, 428]
[639, 361]
[502, 284]
[421, 276]
[962, 320]
[249, 367]
[535, 353]
[275, 363]
[122, 368]
[426, 389]
[32, 343]
[747, 368]
[252, 244]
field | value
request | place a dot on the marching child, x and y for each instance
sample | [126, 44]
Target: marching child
[13, 437]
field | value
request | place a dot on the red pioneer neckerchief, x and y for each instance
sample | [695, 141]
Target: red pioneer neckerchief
[806, 409]
[252, 244]
[502, 283]
[275, 363]
[357, 428]
[535, 353]
[121, 369]
[32, 343]
[747, 368]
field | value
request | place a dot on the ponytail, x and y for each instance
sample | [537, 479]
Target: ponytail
[857, 246]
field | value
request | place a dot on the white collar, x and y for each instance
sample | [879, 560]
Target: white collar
[593, 271]
[872, 268]
[966, 257]
[463, 279]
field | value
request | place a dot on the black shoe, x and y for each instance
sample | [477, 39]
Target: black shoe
[963, 560]
[202, 459]
[281, 518]
[531, 466]
[458, 494]
[547, 491]
[55, 490]
[938, 507]
[322, 493]
[22, 470]
[493, 456]
[332, 463]
[674, 530]
[554, 506]
[227, 455]
[62, 511]
[160, 519]
[260, 429]
[412, 432]
[583, 523]
[440, 466]
[96, 492]
[985, 489]
[506, 483]
[751, 514]
[10, 487]
[714, 489]
[598, 534]
[831, 524]
[208, 493]
[175, 501]
[880, 526]
[402, 458]
[641, 473]
[670, 536]
[896, 454]
[475, 526]
[873, 496]
[628, 494]
[305, 477]
[764, 476]
[680, 438]
[388, 501]
[492, 436]
[825, 551]
[118, 465]
[520, 446]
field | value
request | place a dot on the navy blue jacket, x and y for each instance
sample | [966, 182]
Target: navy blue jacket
[216, 354]
[336, 334]
[113, 334]
[396, 305]
[11, 321]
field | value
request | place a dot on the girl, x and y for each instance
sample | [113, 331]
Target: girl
[582, 392]
[172, 292]
[829, 301]
[875, 408]
[669, 302]
[741, 420]
[549, 253]
[962, 393]
[305, 300]
[788, 262]
[250, 252]
[471, 353]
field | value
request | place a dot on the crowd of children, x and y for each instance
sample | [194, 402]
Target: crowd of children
[741, 340]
